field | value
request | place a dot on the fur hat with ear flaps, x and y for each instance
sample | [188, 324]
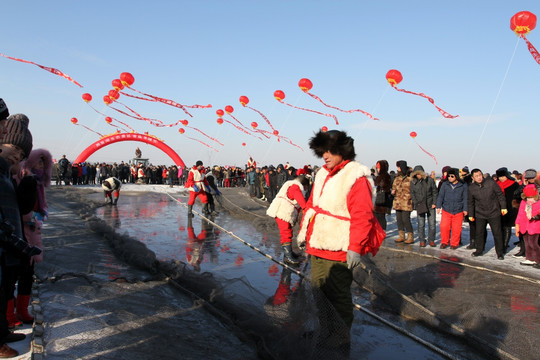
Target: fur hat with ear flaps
[335, 141]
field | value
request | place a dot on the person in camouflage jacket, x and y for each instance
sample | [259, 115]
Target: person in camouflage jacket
[401, 190]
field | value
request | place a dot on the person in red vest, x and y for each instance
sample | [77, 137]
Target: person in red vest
[197, 185]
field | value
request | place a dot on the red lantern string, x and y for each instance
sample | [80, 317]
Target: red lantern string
[279, 95]
[306, 85]
[241, 129]
[244, 100]
[413, 136]
[202, 142]
[86, 127]
[49, 69]
[394, 77]
[172, 102]
[200, 131]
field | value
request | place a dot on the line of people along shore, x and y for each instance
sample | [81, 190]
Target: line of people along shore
[459, 195]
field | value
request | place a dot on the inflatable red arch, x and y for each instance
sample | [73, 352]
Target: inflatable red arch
[111, 139]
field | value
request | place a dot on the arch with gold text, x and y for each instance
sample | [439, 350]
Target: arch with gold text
[111, 139]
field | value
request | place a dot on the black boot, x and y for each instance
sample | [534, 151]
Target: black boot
[472, 245]
[288, 255]
[521, 244]
[190, 210]
[115, 201]
[205, 209]
[507, 233]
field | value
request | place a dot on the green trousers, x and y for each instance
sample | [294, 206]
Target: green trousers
[334, 279]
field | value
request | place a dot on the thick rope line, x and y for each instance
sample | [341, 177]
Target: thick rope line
[534, 281]
[493, 106]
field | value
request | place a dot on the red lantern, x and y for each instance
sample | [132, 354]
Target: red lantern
[74, 120]
[276, 132]
[229, 109]
[220, 112]
[305, 84]
[127, 79]
[114, 95]
[220, 121]
[244, 100]
[184, 122]
[279, 95]
[254, 125]
[394, 77]
[523, 22]
[117, 84]
[324, 129]
[108, 119]
[413, 134]
[87, 97]
[181, 130]
[107, 100]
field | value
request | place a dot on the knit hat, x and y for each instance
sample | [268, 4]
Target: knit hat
[530, 191]
[4, 112]
[465, 169]
[530, 174]
[445, 169]
[17, 133]
[335, 141]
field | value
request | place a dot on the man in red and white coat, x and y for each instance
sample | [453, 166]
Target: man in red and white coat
[338, 225]
[197, 185]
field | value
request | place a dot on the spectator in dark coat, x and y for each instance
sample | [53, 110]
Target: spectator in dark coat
[424, 197]
[383, 183]
[508, 185]
[486, 204]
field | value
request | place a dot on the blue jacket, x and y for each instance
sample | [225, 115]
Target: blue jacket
[453, 198]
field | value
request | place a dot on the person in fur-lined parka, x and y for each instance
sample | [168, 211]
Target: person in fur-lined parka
[337, 224]
[285, 209]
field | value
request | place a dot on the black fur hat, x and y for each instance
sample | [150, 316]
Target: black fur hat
[335, 141]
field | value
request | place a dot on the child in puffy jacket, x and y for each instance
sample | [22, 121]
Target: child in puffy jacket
[528, 224]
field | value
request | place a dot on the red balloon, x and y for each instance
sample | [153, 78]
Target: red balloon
[184, 122]
[127, 79]
[220, 121]
[276, 132]
[244, 100]
[243, 144]
[305, 84]
[220, 112]
[324, 129]
[114, 95]
[181, 130]
[107, 100]
[254, 125]
[413, 134]
[108, 119]
[74, 120]
[523, 22]
[87, 97]
[229, 109]
[117, 84]
[394, 77]
[279, 95]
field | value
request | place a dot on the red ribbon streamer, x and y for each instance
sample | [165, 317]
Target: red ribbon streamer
[346, 111]
[444, 113]
[87, 128]
[316, 112]
[126, 125]
[424, 150]
[173, 103]
[160, 124]
[532, 50]
[49, 69]
[262, 115]
[216, 150]
[211, 138]
[239, 128]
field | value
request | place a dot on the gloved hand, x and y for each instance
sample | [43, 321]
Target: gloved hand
[471, 218]
[218, 192]
[353, 259]
[196, 188]
[504, 212]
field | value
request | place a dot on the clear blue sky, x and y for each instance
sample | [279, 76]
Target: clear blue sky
[212, 52]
